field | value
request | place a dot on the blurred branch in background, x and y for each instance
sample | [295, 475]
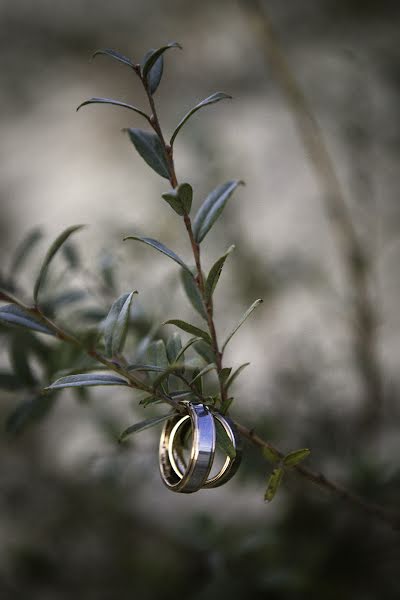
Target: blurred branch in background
[355, 256]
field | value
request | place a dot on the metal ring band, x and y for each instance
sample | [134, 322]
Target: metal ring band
[230, 465]
[194, 475]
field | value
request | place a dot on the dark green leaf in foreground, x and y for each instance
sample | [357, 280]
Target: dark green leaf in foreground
[193, 294]
[115, 55]
[10, 314]
[206, 102]
[87, 379]
[56, 245]
[28, 412]
[114, 103]
[212, 207]
[150, 148]
[155, 73]
[116, 324]
[273, 484]
[293, 458]
[161, 248]
[242, 320]
[215, 273]
[153, 56]
[207, 369]
[189, 328]
[180, 199]
[205, 351]
[224, 442]
[142, 426]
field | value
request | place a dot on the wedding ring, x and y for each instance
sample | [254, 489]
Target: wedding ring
[193, 475]
[230, 466]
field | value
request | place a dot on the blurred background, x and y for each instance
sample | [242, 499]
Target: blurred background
[83, 516]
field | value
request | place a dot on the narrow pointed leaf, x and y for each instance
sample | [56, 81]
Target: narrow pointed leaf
[155, 73]
[155, 54]
[293, 458]
[115, 55]
[215, 273]
[235, 374]
[113, 103]
[14, 315]
[224, 442]
[189, 328]
[116, 324]
[23, 250]
[150, 148]
[186, 346]
[271, 455]
[206, 102]
[169, 370]
[192, 292]
[212, 207]
[224, 374]
[143, 425]
[161, 248]
[207, 369]
[273, 484]
[242, 320]
[139, 367]
[180, 199]
[56, 245]
[86, 379]
[156, 354]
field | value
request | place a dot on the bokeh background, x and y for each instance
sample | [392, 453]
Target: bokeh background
[81, 516]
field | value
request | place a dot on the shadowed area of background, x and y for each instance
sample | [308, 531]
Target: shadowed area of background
[83, 516]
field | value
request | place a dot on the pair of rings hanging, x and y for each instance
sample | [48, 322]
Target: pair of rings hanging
[187, 471]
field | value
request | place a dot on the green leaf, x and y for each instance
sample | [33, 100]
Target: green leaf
[189, 328]
[56, 245]
[192, 292]
[215, 273]
[150, 148]
[173, 347]
[242, 320]
[116, 324]
[23, 250]
[169, 370]
[155, 73]
[86, 379]
[114, 103]
[9, 382]
[157, 354]
[187, 345]
[273, 484]
[271, 455]
[143, 425]
[115, 55]
[212, 207]
[293, 458]
[224, 441]
[161, 248]
[224, 374]
[206, 102]
[205, 351]
[180, 199]
[154, 55]
[14, 315]
[28, 412]
[207, 369]
[235, 374]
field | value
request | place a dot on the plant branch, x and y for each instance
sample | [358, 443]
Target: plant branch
[389, 517]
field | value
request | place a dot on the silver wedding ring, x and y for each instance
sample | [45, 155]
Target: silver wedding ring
[230, 465]
[189, 475]
[201, 455]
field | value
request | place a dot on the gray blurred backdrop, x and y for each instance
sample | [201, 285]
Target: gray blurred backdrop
[81, 516]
